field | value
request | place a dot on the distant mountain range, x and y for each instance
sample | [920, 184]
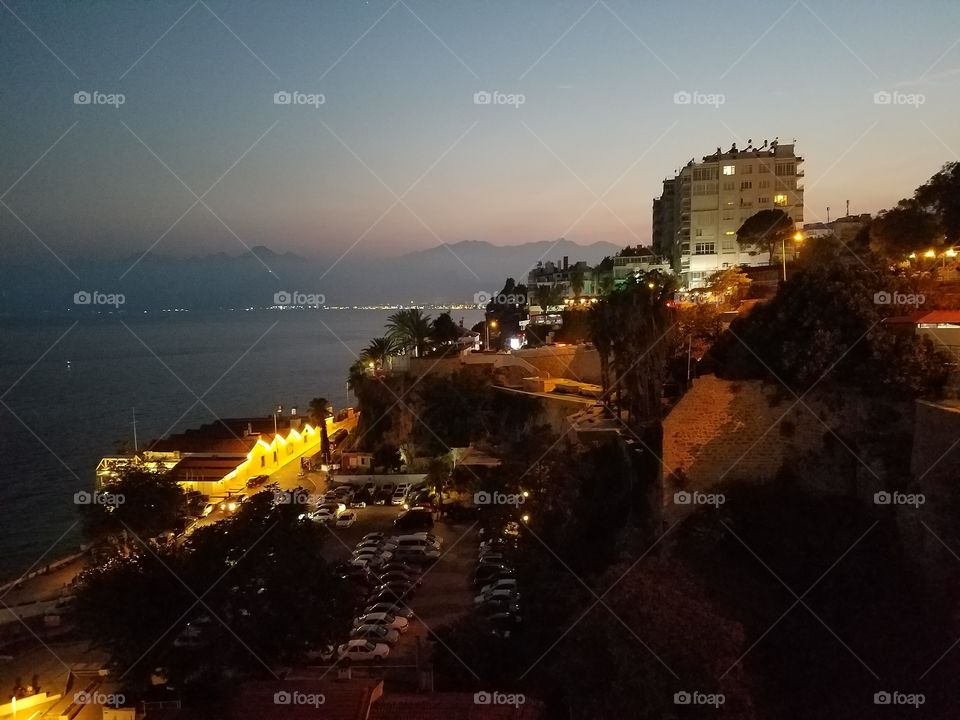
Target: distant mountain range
[443, 274]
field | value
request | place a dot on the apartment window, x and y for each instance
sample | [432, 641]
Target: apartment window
[786, 168]
[763, 200]
[705, 173]
[779, 200]
[704, 248]
[729, 186]
[263, 461]
[746, 185]
[746, 170]
[698, 232]
[729, 169]
[730, 232]
[728, 214]
[764, 184]
[764, 168]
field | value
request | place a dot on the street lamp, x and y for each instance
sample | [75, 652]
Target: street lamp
[797, 238]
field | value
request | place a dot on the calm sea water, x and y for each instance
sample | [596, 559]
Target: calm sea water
[72, 389]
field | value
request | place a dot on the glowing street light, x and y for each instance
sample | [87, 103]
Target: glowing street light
[487, 326]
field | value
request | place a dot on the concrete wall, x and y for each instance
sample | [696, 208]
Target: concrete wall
[577, 362]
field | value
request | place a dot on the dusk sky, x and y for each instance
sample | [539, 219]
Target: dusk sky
[398, 78]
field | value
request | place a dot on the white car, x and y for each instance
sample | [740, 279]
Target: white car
[346, 519]
[392, 622]
[385, 608]
[505, 594]
[363, 559]
[361, 650]
[501, 584]
[375, 633]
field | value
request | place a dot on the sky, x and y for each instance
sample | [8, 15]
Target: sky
[400, 156]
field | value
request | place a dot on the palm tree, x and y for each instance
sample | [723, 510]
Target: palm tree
[546, 296]
[319, 412]
[379, 349]
[577, 282]
[410, 329]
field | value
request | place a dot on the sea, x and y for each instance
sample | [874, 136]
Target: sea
[75, 389]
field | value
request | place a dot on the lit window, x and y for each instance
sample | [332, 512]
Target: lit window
[780, 200]
[730, 232]
[729, 169]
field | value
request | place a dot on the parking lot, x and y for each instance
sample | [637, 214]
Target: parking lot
[446, 593]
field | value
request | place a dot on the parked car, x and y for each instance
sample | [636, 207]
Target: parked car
[371, 488]
[399, 588]
[324, 653]
[395, 608]
[323, 515]
[401, 575]
[499, 605]
[362, 650]
[488, 573]
[398, 497]
[375, 633]
[416, 555]
[499, 584]
[414, 519]
[346, 519]
[393, 622]
[373, 536]
[505, 594]
[257, 481]
[434, 540]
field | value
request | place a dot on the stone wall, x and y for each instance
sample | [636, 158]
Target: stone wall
[748, 430]
[577, 362]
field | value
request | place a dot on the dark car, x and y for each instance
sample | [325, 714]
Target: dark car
[489, 573]
[399, 588]
[414, 519]
[400, 575]
[257, 481]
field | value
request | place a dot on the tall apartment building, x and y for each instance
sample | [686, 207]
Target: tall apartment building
[695, 220]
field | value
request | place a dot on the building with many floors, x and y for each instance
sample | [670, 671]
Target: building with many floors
[695, 220]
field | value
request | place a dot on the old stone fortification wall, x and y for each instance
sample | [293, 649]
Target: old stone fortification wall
[746, 430]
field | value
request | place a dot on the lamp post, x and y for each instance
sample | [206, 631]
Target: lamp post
[797, 238]
[489, 324]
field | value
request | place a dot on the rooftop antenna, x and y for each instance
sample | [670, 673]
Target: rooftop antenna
[848, 208]
[828, 213]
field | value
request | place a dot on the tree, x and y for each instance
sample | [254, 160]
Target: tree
[765, 231]
[941, 195]
[142, 502]
[577, 281]
[730, 284]
[547, 296]
[379, 350]
[319, 412]
[410, 328]
[905, 229]
[444, 330]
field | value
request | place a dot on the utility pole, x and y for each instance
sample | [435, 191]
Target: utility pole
[136, 448]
